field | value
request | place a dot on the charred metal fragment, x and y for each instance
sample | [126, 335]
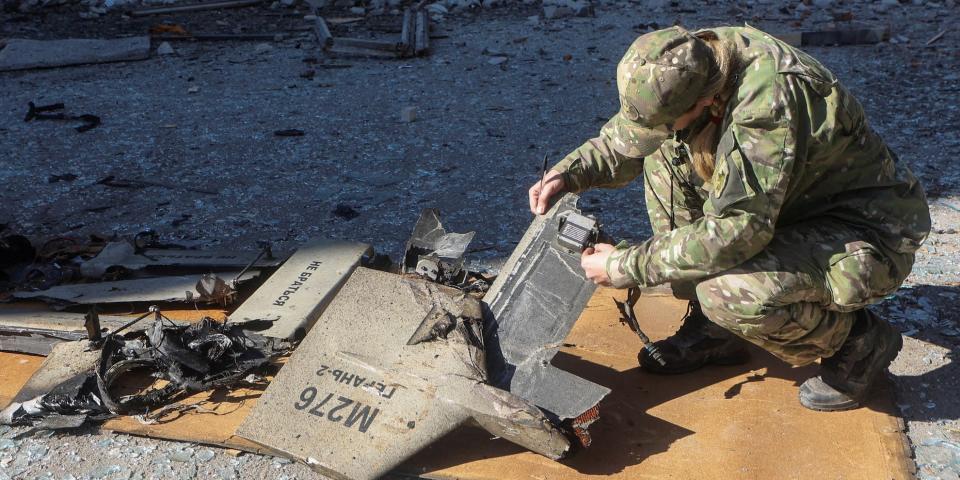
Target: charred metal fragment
[190, 358]
[433, 253]
[15, 249]
[35, 112]
[74, 397]
[530, 309]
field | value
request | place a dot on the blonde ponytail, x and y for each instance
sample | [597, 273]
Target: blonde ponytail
[720, 87]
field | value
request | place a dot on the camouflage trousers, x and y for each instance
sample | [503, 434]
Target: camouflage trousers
[796, 298]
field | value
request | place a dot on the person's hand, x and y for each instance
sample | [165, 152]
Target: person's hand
[594, 263]
[552, 185]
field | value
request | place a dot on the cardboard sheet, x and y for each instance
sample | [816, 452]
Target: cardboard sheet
[15, 370]
[721, 422]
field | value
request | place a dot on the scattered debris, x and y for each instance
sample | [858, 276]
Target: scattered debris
[437, 9]
[322, 32]
[433, 253]
[65, 361]
[345, 211]
[936, 37]
[21, 54]
[295, 295]
[290, 132]
[15, 249]
[531, 307]
[169, 28]
[188, 358]
[113, 181]
[223, 37]
[421, 40]
[845, 16]
[408, 114]
[160, 289]
[122, 258]
[567, 8]
[34, 329]
[195, 7]
[414, 38]
[165, 49]
[847, 36]
[384, 399]
[43, 113]
[66, 177]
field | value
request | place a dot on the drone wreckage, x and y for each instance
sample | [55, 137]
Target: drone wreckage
[382, 361]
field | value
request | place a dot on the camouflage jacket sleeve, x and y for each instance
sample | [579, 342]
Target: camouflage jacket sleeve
[599, 163]
[754, 160]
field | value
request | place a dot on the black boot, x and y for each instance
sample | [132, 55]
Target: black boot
[846, 378]
[698, 342]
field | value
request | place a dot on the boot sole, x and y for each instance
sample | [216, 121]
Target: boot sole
[852, 404]
[830, 407]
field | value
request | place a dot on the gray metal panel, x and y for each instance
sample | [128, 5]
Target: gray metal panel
[296, 294]
[355, 399]
[159, 289]
[357, 355]
[123, 254]
[531, 307]
[34, 328]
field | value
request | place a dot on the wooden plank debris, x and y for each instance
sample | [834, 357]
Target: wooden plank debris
[422, 36]
[847, 36]
[195, 7]
[936, 37]
[320, 29]
[414, 38]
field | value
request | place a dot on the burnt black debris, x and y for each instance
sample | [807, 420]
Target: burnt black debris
[45, 112]
[191, 358]
[345, 211]
[66, 177]
[290, 132]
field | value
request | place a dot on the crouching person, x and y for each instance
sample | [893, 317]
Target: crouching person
[776, 209]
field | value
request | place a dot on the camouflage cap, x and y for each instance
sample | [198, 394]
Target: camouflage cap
[660, 77]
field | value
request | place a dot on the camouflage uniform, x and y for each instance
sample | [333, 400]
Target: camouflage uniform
[807, 218]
